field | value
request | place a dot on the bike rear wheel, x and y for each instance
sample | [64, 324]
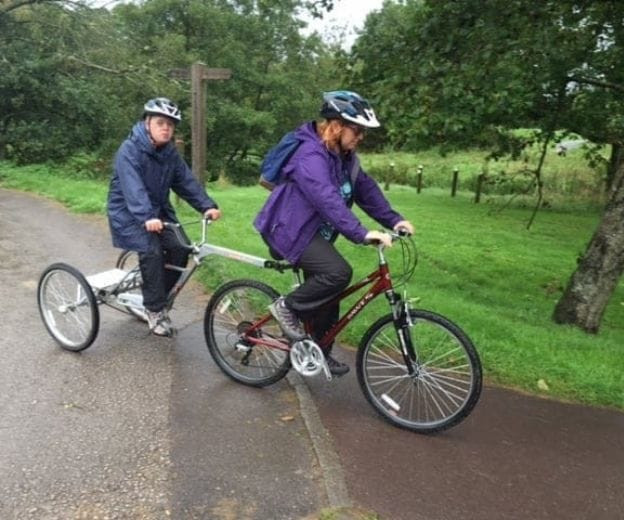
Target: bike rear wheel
[231, 312]
[445, 383]
[128, 261]
[68, 307]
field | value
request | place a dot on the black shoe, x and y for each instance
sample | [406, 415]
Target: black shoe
[336, 367]
[288, 321]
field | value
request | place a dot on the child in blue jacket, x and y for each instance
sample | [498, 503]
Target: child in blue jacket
[147, 167]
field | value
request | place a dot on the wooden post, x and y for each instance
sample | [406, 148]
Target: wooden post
[419, 177]
[198, 122]
[199, 74]
[454, 185]
[480, 179]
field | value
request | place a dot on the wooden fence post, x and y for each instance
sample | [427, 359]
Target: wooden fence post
[480, 180]
[419, 177]
[454, 185]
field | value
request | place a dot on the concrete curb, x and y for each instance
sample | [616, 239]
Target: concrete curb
[333, 475]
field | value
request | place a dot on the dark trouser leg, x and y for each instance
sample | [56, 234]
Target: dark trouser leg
[326, 274]
[158, 281]
[174, 255]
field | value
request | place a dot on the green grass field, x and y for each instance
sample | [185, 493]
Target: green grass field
[481, 268]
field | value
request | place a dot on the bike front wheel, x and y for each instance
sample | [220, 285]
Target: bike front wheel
[250, 354]
[436, 389]
[68, 307]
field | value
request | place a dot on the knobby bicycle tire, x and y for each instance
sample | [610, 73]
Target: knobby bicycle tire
[232, 310]
[68, 307]
[444, 386]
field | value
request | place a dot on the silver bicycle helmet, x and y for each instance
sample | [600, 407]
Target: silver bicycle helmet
[161, 106]
[349, 106]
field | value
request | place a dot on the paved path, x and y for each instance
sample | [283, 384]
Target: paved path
[134, 427]
[516, 457]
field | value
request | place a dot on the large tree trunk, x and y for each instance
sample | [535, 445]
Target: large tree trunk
[596, 277]
[617, 153]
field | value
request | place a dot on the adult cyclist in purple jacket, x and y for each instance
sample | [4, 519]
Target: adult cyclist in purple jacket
[147, 166]
[311, 206]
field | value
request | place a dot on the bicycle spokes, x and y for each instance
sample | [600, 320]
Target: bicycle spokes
[244, 340]
[435, 390]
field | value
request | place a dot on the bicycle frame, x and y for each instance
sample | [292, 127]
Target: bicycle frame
[200, 251]
[381, 283]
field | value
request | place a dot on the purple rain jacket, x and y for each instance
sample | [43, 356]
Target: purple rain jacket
[139, 188]
[309, 195]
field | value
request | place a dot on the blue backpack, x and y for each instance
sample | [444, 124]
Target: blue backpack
[277, 157]
[275, 160]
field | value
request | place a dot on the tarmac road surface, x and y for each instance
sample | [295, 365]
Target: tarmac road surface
[515, 457]
[134, 427]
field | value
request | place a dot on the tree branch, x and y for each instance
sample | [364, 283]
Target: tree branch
[597, 83]
[7, 6]
[96, 66]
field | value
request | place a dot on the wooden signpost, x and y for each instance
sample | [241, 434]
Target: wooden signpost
[199, 74]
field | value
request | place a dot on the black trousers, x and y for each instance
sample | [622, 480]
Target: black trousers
[326, 273]
[164, 248]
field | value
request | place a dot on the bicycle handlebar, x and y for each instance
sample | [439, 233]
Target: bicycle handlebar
[176, 227]
[394, 235]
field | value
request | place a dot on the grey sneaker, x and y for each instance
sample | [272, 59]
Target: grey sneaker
[288, 321]
[159, 323]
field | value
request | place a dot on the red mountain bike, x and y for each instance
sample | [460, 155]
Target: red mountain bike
[417, 368]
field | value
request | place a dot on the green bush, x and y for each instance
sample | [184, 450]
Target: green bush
[243, 172]
[85, 165]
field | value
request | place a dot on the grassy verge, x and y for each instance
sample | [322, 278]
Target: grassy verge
[482, 269]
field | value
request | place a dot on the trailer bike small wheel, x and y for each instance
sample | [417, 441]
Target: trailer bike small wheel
[129, 261]
[436, 389]
[68, 307]
[241, 348]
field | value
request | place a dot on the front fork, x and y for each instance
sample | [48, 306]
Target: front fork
[402, 323]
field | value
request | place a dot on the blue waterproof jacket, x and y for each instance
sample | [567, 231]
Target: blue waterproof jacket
[310, 195]
[143, 176]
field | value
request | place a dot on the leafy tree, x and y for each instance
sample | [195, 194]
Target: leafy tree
[470, 71]
[77, 77]
[52, 103]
